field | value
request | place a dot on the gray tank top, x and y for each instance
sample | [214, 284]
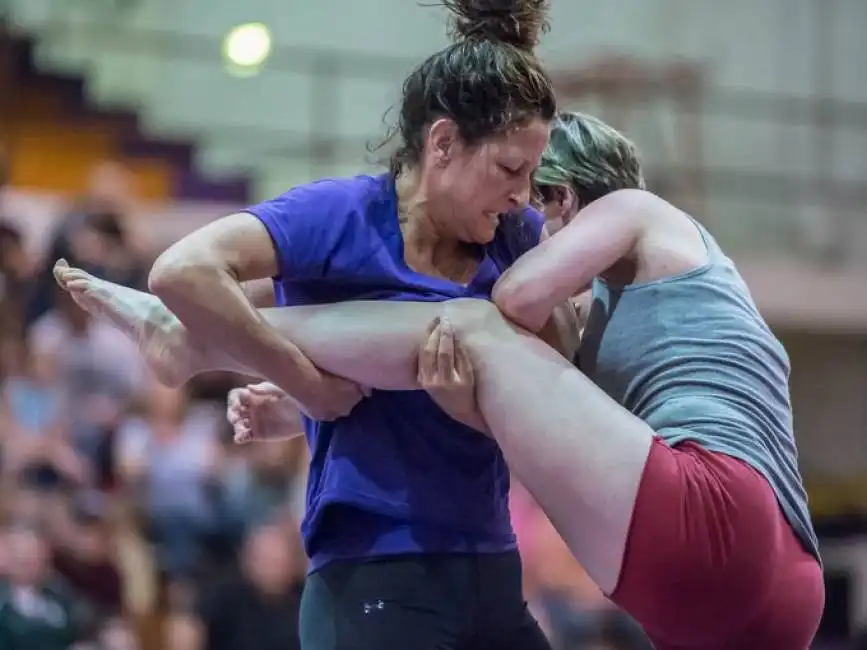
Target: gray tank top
[691, 356]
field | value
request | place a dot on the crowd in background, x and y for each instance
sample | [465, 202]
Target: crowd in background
[121, 499]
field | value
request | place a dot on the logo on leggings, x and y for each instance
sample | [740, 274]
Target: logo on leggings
[373, 606]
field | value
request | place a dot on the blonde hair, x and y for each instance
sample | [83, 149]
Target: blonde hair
[589, 156]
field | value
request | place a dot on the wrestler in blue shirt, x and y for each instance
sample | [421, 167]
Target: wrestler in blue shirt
[403, 476]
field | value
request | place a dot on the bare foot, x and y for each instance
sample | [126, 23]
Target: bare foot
[159, 335]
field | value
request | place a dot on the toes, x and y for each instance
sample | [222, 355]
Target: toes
[65, 276]
[61, 268]
[75, 284]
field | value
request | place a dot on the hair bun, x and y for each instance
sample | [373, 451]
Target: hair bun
[517, 22]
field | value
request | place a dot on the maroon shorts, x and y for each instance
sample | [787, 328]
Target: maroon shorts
[711, 562]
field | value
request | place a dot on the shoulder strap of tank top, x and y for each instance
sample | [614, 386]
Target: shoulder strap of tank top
[714, 253]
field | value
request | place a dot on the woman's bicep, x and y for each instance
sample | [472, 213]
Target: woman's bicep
[565, 264]
[241, 243]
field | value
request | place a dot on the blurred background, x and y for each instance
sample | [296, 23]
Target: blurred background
[127, 519]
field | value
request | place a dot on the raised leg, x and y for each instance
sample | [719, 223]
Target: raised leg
[374, 344]
[579, 453]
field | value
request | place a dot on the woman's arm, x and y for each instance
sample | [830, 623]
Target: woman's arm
[565, 265]
[199, 279]
[563, 330]
[260, 293]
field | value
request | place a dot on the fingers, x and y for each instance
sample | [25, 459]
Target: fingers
[266, 388]
[442, 361]
[242, 434]
[238, 414]
[233, 406]
[446, 353]
[463, 366]
[241, 409]
[427, 358]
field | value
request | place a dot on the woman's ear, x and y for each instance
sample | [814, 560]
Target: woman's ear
[569, 204]
[441, 139]
[559, 203]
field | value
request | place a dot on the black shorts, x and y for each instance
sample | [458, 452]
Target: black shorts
[421, 602]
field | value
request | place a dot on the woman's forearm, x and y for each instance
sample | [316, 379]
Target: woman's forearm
[199, 279]
[213, 306]
[260, 293]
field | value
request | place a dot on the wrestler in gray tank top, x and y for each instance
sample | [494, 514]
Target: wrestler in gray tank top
[691, 356]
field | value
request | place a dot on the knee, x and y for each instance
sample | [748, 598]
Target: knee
[469, 316]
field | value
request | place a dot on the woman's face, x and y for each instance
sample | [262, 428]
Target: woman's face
[470, 187]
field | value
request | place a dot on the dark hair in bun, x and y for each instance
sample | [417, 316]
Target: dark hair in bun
[488, 80]
[520, 23]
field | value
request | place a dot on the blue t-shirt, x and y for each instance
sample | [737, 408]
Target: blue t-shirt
[397, 475]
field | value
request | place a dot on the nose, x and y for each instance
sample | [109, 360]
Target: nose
[520, 197]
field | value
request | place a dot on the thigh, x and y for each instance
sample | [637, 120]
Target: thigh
[502, 619]
[408, 603]
[579, 453]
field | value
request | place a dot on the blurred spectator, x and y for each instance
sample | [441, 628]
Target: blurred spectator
[117, 634]
[84, 553]
[4, 554]
[255, 607]
[14, 283]
[23, 503]
[36, 611]
[103, 246]
[170, 457]
[93, 235]
[34, 422]
[101, 370]
[112, 187]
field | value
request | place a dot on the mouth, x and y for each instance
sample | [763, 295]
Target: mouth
[493, 218]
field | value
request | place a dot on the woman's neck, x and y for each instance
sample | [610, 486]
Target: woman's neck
[424, 238]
